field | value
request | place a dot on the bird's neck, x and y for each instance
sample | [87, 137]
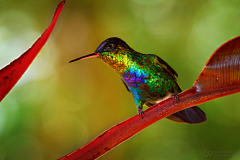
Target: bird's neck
[120, 61]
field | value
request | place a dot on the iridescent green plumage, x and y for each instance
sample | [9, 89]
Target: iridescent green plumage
[146, 76]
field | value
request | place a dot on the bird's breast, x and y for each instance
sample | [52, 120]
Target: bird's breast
[135, 77]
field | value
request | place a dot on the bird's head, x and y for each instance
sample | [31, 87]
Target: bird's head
[108, 48]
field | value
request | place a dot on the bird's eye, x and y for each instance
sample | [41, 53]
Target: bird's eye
[109, 47]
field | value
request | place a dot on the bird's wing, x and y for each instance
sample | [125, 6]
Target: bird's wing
[168, 68]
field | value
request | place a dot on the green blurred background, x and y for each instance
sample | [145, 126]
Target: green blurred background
[58, 107]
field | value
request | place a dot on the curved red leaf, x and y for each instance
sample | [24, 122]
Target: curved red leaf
[10, 74]
[222, 69]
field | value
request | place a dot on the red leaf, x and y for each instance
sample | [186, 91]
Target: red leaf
[220, 77]
[222, 69]
[10, 74]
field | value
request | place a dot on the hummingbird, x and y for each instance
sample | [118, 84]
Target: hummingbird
[146, 76]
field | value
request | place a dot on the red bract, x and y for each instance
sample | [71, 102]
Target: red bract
[10, 74]
[222, 69]
[219, 77]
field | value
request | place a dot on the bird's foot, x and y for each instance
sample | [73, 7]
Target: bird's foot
[140, 113]
[175, 98]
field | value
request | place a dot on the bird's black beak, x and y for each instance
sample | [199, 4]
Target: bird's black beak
[87, 56]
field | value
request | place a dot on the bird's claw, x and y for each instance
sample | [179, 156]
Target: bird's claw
[175, 98]
[140, 113]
